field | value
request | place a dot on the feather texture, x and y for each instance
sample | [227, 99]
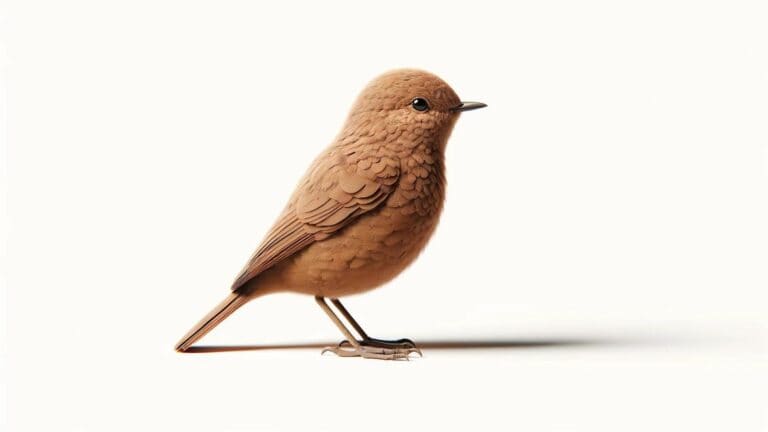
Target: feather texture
[323, 204]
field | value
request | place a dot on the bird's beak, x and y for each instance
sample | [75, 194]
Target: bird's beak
[468, 106]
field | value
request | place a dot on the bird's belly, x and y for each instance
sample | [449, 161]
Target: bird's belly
[371, 251]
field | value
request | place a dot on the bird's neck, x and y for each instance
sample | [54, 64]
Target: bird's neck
[376, 136]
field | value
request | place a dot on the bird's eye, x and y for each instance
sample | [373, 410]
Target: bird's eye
[420, 104]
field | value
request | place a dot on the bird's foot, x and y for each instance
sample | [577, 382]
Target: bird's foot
[375, 349]
[403, 344]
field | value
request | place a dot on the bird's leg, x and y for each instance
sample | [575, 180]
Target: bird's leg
[406, 344]
[353, 348]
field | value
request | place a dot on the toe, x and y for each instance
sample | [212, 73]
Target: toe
[340, 351]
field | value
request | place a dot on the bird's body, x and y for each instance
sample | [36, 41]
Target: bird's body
[367, 205]
[381, 242]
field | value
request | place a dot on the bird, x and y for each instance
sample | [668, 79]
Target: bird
[362, 213]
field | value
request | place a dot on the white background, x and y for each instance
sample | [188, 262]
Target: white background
[606, 223]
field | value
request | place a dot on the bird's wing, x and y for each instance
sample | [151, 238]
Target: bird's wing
[332, 194]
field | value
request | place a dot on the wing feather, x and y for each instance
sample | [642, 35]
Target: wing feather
[331, 196]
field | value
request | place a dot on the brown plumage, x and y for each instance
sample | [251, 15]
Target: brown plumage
[364, 210]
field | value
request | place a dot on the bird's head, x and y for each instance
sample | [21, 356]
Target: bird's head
[409, 102]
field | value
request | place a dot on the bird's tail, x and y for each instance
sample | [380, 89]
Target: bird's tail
[230, 304]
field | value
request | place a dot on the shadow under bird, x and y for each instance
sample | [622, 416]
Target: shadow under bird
[363, 211]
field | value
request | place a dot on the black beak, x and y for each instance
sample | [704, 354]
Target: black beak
[468, 106]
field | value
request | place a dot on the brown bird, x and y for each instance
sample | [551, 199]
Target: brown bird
[363, 211]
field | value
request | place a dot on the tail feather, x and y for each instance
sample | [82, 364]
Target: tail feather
[230, 304]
